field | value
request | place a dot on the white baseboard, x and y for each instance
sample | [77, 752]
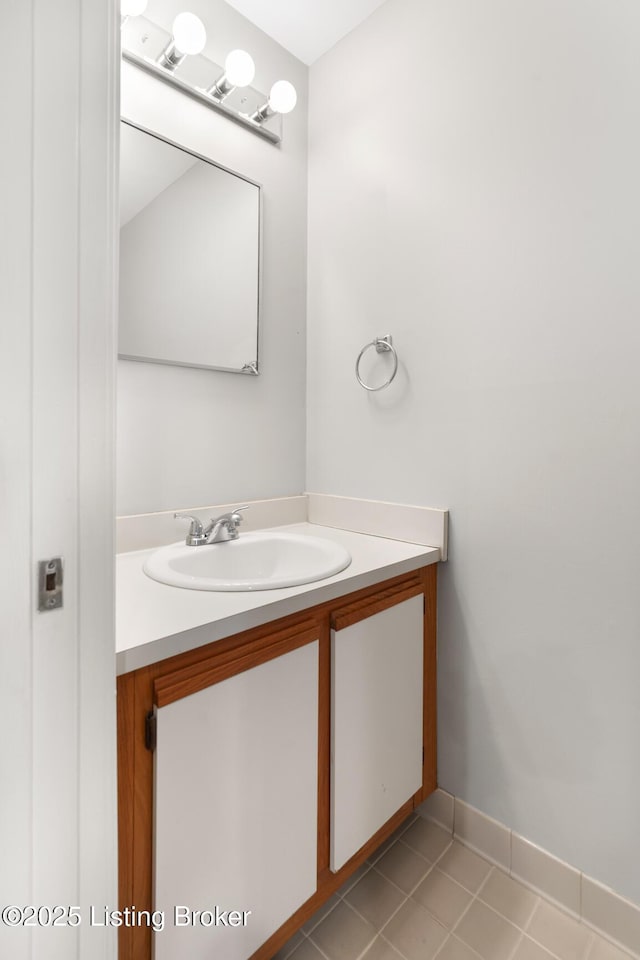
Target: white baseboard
[597, 906]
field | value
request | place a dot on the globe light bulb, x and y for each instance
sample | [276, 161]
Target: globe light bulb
[283, 96]
[133, 8]
[239, 68]
[189, 34]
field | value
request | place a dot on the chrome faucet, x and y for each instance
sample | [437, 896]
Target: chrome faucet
[218, 530]
[224, 527]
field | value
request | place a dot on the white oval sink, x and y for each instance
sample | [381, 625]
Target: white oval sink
[255, 561]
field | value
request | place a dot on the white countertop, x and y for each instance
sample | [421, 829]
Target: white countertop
[155, 621]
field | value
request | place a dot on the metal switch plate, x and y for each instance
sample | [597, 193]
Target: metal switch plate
[50, 584]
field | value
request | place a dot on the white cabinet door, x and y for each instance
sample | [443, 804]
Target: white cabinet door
[376, 728]
[236, 787]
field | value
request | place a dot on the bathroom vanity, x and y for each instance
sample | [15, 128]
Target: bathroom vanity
[265, 752]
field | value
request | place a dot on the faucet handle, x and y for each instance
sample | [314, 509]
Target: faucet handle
[196, 534]
[231, 516]
[224, 527]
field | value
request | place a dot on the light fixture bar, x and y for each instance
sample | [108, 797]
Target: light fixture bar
[199, 95]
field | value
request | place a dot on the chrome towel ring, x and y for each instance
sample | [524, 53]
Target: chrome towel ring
[382, 345]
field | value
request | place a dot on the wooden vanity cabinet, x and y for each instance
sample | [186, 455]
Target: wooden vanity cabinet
[244, 766]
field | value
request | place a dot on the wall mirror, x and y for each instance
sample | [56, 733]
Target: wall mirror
[190, 244]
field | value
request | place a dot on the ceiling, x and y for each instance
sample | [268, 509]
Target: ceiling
[307, 28]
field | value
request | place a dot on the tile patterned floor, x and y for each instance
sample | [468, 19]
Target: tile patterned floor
[423, 896]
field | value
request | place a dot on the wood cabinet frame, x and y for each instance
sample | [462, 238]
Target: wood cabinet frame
[141, 691]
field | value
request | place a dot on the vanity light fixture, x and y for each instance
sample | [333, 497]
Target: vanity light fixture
[239, 71]
[227, 90]
[282, 99]
[189, 37]
[131, 8]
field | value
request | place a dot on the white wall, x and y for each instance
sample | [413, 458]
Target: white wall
[474, 192]
[188, 437]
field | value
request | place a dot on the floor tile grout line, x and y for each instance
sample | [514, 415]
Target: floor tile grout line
[379, 937]
[524, 935]
[291, 952]
[432, 867]
[523, 930]
[541, 900]
[432, 863]
[556, 956]
[370, 942]
[510, 851]
[590, 943]
[525, 924]
[386, 849]
[409, 896]
[378, 932]
[423, 855]
[474, 893]
[394, 884]
[446, 849]
[587, 950]
[322, 918]
[319, 949]
[368, 947]
[627, 953]
[474, 897]
[369, 868]
[421, 907]
[411, 819]
[413, 850]
[392, 915]
[518, 942]
[393, 946]
[569, 916]
[547, 898]
[449, 931]
[452, 880]
[406, 896]
[453, 936]
[515, 926]
[443, 945]
[396, 840]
